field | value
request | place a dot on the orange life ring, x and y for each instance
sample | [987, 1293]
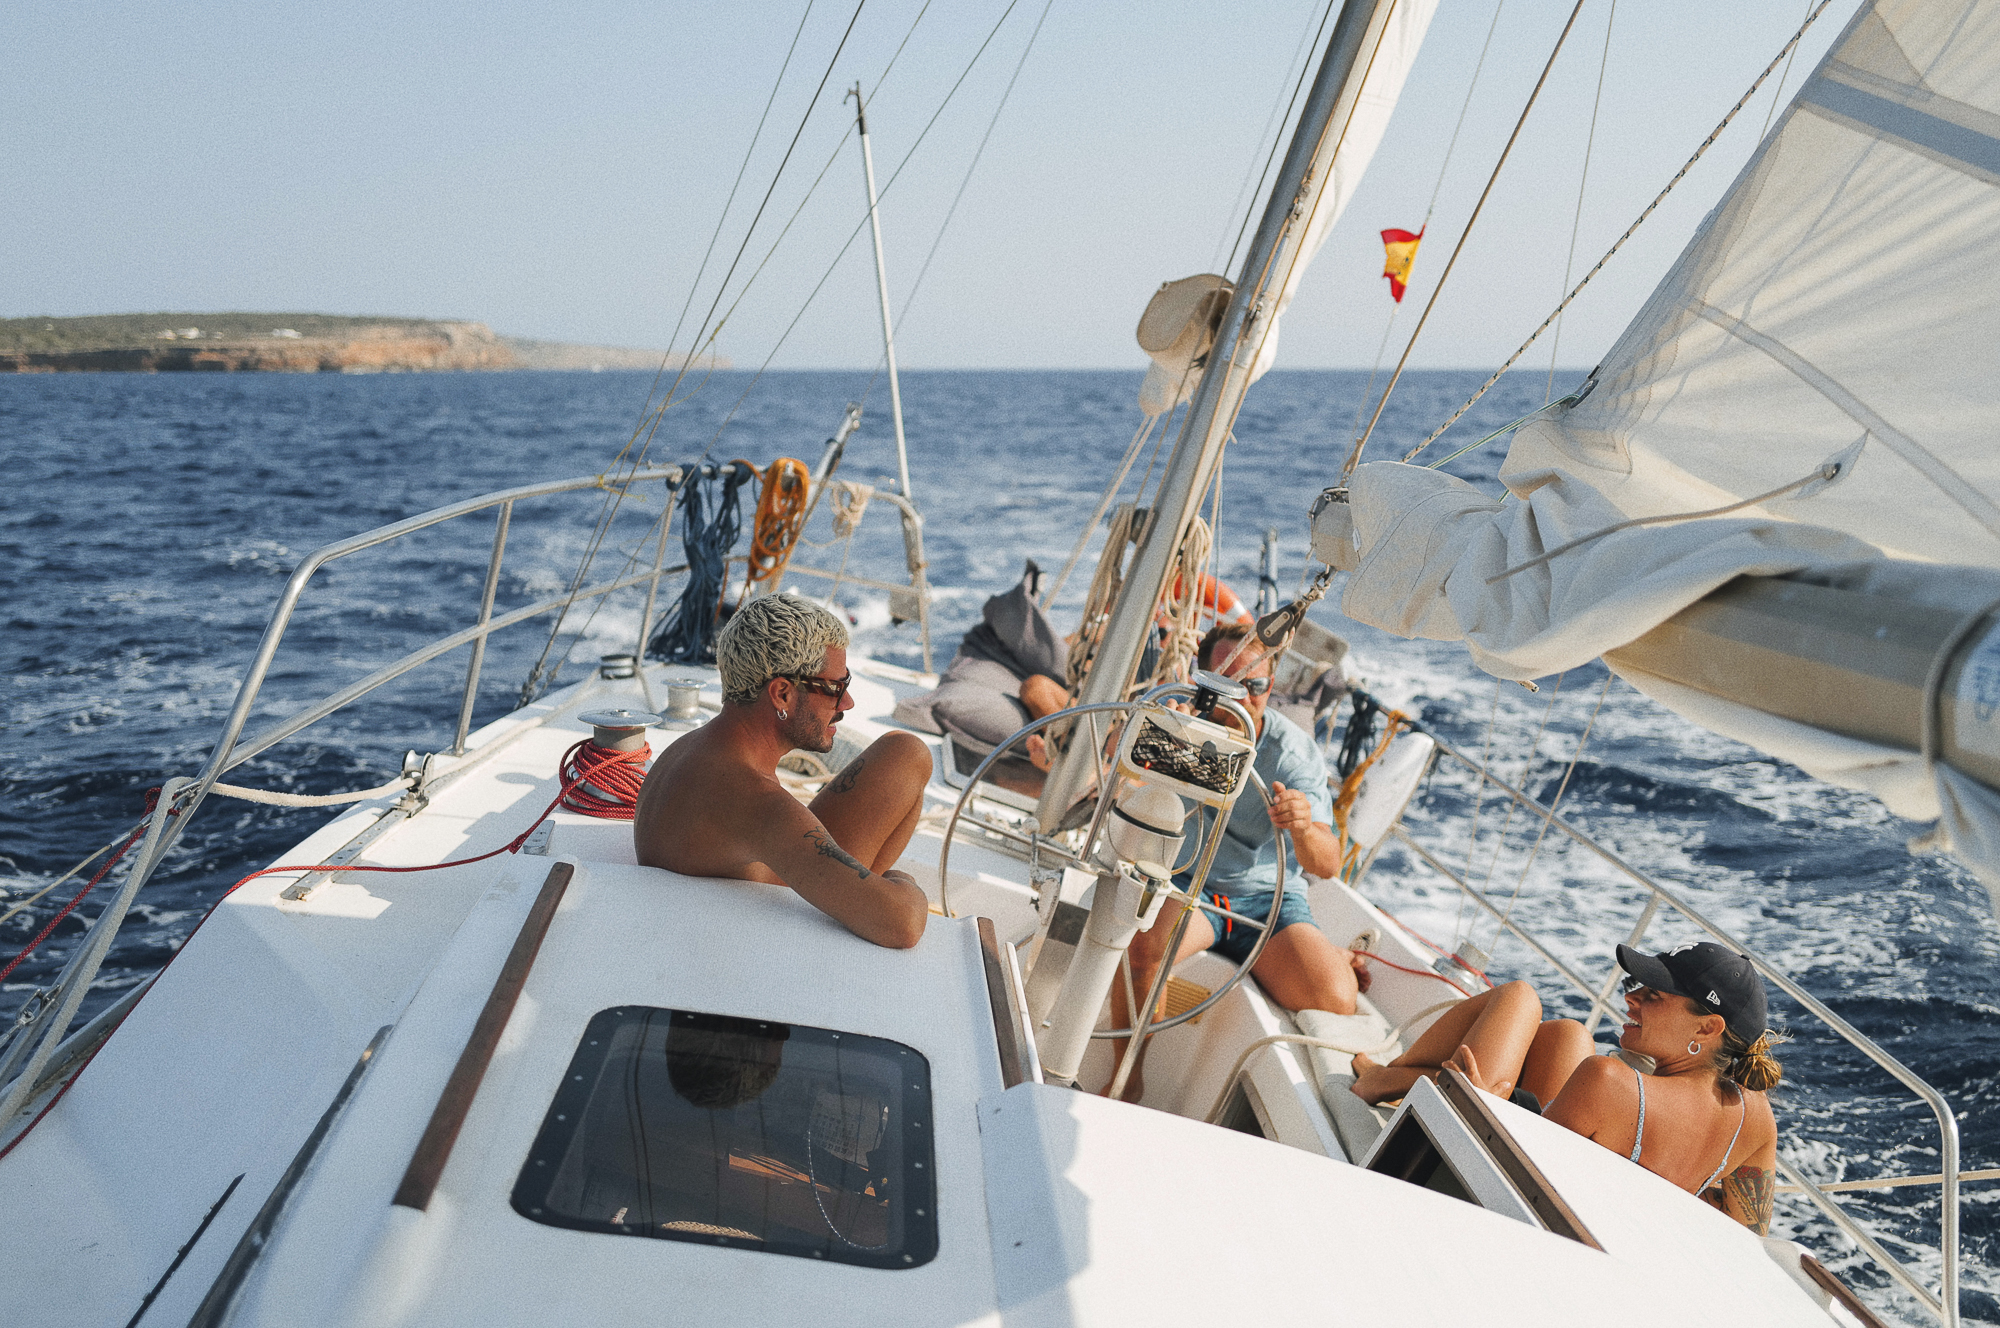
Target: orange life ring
[1219, 600]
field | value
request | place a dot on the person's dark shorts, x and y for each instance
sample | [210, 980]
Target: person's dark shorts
[1233, 939]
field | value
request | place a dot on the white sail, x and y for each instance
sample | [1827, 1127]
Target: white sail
[1402, 34]
[1837, 309]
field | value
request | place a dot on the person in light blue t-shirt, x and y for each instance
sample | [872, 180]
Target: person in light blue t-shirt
[1300, 968]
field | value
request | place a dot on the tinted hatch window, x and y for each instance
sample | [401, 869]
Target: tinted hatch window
[679, 1125]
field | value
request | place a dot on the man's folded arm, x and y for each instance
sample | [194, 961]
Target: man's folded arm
[888, 908]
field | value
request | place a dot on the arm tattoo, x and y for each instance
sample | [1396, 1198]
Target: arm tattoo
[822, 841]
[1745, 1194]
[849, 775]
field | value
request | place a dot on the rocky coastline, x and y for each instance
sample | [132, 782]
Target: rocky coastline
[289, 343]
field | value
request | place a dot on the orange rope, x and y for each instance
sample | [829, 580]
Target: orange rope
[781, 514]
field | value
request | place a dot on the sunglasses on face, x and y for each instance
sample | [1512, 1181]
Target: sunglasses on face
[1256, 686]
[812, 682]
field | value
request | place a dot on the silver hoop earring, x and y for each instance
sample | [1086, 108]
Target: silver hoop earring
[784, 715]
[1694, 1048]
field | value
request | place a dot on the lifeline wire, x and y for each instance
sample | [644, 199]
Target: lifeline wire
[1354, 457]
[1706, 143]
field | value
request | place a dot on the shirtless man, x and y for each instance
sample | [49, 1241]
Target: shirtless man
[712, 804]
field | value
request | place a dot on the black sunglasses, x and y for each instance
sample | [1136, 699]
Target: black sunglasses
[1256, 686]
[833, 687]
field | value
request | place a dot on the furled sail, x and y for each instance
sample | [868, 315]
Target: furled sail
[1819, 358]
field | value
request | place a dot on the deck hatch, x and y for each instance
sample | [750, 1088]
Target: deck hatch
[680, 1125]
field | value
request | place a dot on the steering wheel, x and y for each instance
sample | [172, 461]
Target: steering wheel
[1193, 896]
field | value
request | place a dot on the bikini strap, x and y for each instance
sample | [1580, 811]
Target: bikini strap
[1639, 1140]
[1742, 1109]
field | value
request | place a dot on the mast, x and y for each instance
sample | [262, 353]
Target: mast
[882, 290]
[1279, 245]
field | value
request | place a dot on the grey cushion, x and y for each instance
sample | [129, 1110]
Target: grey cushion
[979, 699]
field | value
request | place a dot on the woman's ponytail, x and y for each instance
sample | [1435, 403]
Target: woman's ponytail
[1751, 1065]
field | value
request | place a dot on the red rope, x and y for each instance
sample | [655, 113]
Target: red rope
[1414, 972]
[152, 801]
[609, 787]
[608, 772]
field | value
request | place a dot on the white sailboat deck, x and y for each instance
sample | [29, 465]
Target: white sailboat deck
[1053, 1206]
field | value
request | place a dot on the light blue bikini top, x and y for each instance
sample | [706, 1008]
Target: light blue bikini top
[1639, 1141]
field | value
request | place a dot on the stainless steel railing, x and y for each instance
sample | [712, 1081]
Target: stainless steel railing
[28, 1045]
[1944, 1302]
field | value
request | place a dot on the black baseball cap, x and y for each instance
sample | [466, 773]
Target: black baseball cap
[1715, 975]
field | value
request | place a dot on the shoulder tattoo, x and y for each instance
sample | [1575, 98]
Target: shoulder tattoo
[849, 775]
[823, 842]
[1745, 1194]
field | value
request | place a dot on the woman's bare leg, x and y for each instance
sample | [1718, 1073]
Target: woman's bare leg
[871, 807]
[1560, 1046]
[1499, 1025]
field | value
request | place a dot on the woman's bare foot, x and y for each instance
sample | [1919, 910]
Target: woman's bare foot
[1038, 751]
[1376, 1083]
[1466, 1063]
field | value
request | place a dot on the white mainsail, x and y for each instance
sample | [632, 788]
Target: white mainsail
[1838, 308]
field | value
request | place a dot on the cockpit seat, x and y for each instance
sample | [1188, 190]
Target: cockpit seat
[1355, 1123]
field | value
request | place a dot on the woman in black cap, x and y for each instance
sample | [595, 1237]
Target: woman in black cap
[1701, 1119]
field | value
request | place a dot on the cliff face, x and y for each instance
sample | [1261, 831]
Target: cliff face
[350, 346]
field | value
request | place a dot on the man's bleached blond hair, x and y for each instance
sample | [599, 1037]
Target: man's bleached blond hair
[771, 637]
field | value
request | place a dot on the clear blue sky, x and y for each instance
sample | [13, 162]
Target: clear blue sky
[556, 170]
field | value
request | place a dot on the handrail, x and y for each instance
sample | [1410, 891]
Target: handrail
[1945, 1303]
[44, 1018]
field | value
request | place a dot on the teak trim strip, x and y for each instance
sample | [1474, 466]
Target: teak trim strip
[434, 1149]
[1514, 1163]
[1836, 1288]
[1013, 1065]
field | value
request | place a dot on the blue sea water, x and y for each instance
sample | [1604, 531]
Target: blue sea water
[150, 523]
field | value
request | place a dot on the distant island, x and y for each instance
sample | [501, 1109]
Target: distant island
[293, 343]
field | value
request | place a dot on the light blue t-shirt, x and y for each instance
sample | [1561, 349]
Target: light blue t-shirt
[1247, 858]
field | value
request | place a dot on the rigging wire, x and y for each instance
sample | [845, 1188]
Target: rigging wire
[859, 226]
[1354, 457]
[882, 361]
[1500, 842]
[742, 169]
[1679, 175]
[1534, 852]
[1270, 157]
[1778, 93]
[540, 678]
[1582, 183]
[1308, 38]
[1430, 209]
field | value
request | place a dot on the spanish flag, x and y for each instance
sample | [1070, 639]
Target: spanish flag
[1401, 247]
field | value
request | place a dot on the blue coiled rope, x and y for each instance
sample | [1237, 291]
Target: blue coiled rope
[711, 520]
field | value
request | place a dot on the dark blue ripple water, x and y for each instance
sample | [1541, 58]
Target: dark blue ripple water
[150, 522]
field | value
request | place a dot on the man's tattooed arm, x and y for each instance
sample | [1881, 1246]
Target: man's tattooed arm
[1745, 1194]
[849, 775]
[823, 842]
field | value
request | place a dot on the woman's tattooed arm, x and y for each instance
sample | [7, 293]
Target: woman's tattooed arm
[1745, 1194]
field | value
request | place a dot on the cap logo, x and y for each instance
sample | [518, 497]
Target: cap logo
[1714, 999]
[1682, 948]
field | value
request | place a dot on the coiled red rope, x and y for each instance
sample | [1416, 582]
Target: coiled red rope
[601, 782]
